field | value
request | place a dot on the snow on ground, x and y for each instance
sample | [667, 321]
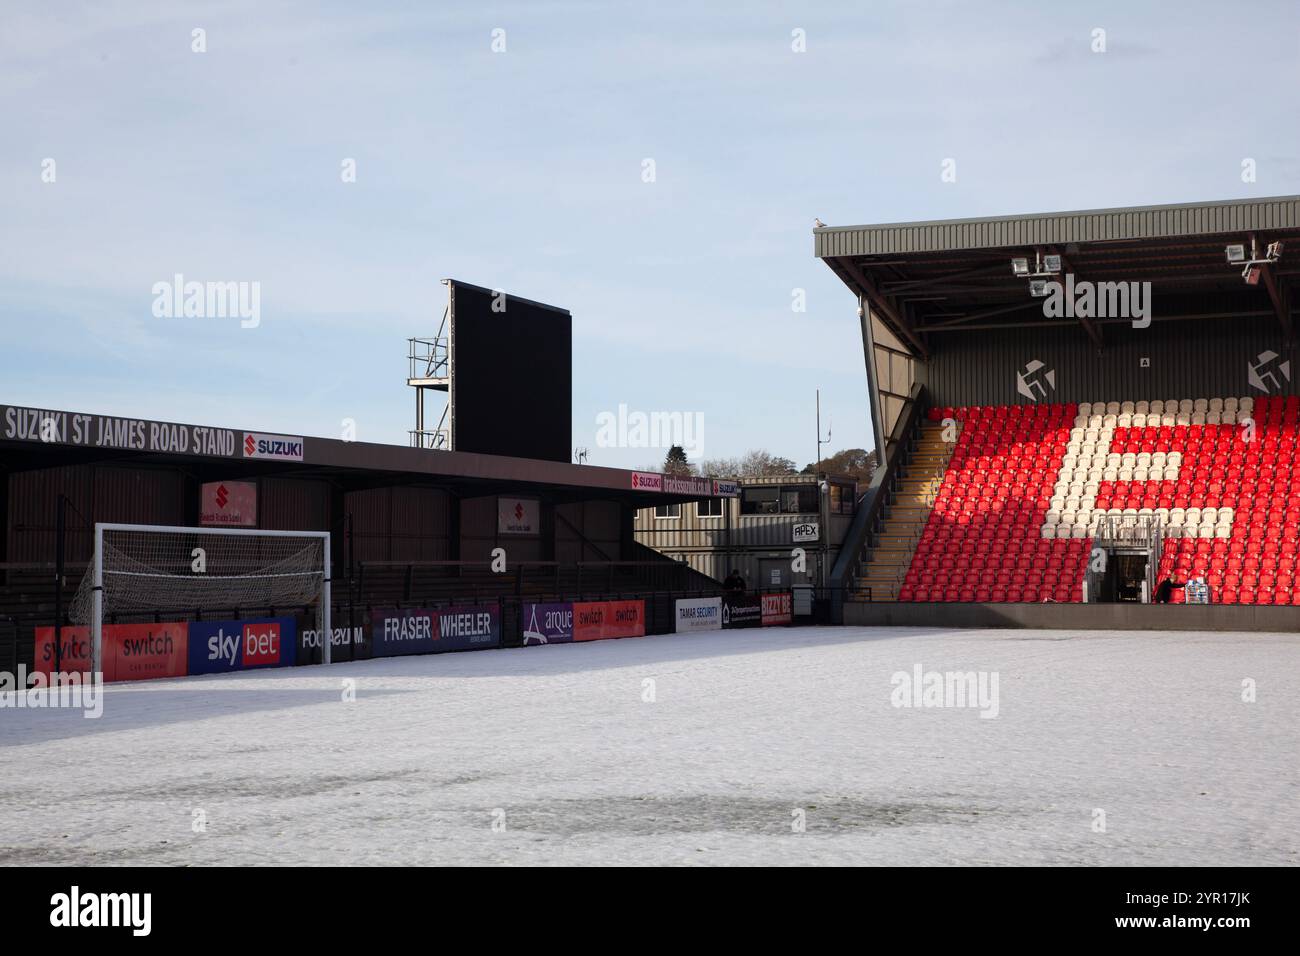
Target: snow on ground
[745, 728]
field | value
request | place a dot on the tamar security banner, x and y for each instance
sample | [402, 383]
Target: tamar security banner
[742, 610]
[698, 614]
[430, 631]
[602, 620]
[547, 623]
[220, 646]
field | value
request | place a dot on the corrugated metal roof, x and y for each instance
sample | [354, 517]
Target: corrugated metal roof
[1092, 225]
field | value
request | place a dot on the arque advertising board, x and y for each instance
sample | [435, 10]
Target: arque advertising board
[550, 623]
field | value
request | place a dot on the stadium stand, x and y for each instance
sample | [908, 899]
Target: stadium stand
[1027, 486]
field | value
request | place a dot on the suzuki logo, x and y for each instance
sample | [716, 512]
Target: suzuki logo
[519, 512]
[222, 496]
[250, 445]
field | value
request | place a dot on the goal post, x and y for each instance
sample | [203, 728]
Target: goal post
[156, 569]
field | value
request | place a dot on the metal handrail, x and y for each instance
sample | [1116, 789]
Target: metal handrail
[433, 354]
[872, 502]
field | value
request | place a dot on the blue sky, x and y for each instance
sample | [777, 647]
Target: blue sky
[522, 170]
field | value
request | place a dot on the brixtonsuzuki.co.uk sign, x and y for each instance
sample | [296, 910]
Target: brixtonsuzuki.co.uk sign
[701, 487]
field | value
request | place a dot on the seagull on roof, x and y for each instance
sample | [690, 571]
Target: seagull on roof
[819, 224]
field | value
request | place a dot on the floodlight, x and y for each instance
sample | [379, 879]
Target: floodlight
[1275, 250]
[1038, 288]
[1236, 252]
[1020, 267]
[1052, 263]
[1251, 275]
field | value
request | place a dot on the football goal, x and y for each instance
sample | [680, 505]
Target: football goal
[153, 569]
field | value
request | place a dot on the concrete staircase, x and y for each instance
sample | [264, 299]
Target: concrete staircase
[905, 515]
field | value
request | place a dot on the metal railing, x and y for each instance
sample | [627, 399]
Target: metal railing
[872, 503]
[437, 438]
[477, 579]
[429, 358]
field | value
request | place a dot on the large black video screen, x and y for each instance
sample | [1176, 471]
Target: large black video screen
[512, 387]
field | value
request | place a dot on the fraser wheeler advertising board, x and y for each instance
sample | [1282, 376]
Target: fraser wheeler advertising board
[430, 631]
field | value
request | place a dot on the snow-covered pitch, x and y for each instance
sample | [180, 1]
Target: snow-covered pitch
[778, 746]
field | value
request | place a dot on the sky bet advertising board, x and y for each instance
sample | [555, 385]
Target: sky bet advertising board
[220, 646]
[423, 631]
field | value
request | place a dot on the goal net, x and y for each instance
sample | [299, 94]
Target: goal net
[147, 569]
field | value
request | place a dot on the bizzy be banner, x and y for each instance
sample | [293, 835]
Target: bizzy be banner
[778, 609]
[698, 614]
[396, 632]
